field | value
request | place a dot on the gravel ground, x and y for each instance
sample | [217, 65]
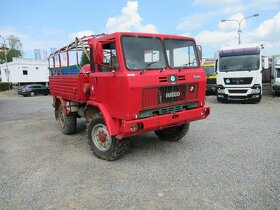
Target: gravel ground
[231, 160]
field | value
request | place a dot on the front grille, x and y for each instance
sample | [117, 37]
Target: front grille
[172, 94]
[238, 97]
[155, 96]
[211, 81]
[237, 91]
[238, 81]
[171, 109]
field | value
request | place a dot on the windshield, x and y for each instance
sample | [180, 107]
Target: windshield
[210, 71]
[181, 53]
[239, 63]
[143, 53]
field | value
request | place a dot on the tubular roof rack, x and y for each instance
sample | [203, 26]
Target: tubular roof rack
[78, 44]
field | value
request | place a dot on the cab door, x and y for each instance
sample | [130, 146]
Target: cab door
[106, 78]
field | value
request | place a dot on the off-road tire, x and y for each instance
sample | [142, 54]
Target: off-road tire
[67, 123]
[113, 148]
[173, 133]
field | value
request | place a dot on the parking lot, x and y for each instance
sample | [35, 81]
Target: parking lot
[231, 160]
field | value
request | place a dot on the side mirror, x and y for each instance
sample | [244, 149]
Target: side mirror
[216, 66]
[265, 63]
[199, 52]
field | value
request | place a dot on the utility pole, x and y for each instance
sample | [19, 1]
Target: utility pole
[239, 25]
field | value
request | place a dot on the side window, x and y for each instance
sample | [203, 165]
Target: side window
[110, 59]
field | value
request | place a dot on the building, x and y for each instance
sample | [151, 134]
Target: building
[25, 70]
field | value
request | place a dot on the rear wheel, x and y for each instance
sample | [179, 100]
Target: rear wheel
[67, 122]
[102, 144]
[173, 133]
[32, 94]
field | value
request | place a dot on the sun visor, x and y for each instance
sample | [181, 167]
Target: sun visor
[240, 51]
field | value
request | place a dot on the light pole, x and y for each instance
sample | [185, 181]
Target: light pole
[5, 52]
[239, 25]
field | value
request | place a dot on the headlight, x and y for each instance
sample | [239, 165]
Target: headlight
[256, 91]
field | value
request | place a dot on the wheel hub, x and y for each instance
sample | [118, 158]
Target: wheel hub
[101, 138]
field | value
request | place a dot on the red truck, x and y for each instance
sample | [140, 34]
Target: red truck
[133, 83]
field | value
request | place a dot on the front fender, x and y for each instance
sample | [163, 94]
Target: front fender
[112, 124]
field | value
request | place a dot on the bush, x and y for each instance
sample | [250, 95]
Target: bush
[4, 86]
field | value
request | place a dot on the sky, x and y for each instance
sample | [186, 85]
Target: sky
[54, 23]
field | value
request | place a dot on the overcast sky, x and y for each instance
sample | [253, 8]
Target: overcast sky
[55, 23]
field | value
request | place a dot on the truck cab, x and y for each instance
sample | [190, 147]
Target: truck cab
[209, 68]
[239, 71]
[275, 75]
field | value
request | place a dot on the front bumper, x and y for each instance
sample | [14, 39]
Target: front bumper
[238, 97]
[162, 121]
[239, 93]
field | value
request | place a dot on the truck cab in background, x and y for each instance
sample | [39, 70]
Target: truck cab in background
[275, 75]
[239, 71]
[208, 66]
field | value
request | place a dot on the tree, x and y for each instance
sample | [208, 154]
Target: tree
[84, 59]
[13, 47]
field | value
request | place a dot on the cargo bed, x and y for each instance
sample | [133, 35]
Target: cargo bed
[74, 87]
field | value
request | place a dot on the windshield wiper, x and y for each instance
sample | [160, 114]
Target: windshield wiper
[149, 64]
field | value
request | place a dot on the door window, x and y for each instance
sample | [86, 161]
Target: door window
[110, 59]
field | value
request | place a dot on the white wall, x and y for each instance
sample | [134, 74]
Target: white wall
[37, 71]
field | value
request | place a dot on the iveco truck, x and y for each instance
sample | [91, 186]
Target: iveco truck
[239, 71]
[134, 83]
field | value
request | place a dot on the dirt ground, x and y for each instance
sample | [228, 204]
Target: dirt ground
[231, 160]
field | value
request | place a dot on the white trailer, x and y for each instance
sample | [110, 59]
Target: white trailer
[239, 71]
[25, 70]
[275, 74]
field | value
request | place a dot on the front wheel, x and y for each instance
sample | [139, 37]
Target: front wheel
[32, 94]
[173, 133]
[102, 144]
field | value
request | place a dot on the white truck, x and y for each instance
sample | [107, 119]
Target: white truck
[239, 70]
[275, 74]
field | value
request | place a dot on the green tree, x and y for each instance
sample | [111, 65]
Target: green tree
[84, 59]
[13, 47]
